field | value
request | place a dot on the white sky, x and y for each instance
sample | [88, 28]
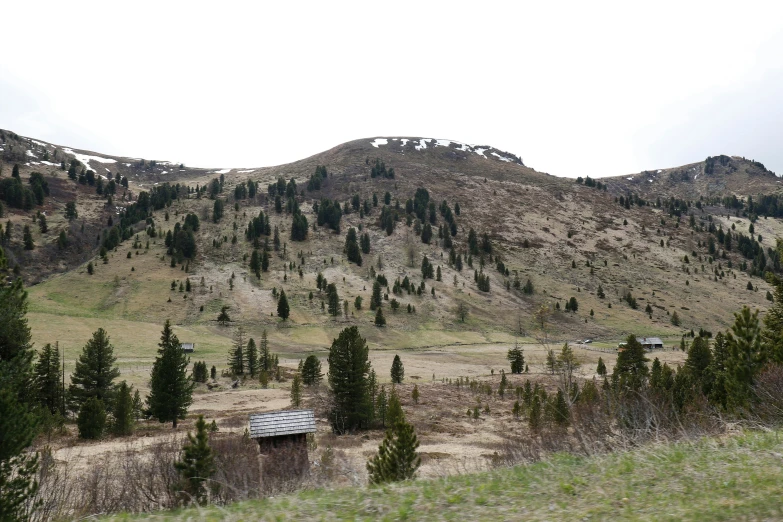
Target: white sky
[574, 88]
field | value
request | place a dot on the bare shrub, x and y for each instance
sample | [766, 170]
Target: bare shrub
[768, 391]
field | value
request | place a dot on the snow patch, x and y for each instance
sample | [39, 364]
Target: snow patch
[246, 171]
[404, 141]
[650, 180]
[85, 159]
[50, 163]
[423, 143]
[42, 144]
[629, 178]
[224, 171]
[659, 171]
[501, 158]
[30, 153]
[164, 172]
[379, 141]
[480, 152]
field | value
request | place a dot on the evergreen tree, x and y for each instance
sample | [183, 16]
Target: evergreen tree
[381, 406]
[697, 365]
[375, 300]
[255, 263]
[48, 382]
[352, 247]
[746, 356]
[349, 368]
[601, 370]
[720, 355]
[772, 333]
[397, 370]
[397, 458]
[265, 360]
[517, 359]
[283, 310]
[223, 318]
[123, 411]
[630, 371]
[196, 465]
[394, 412]
[560, 409]
[92, 419]
[380, 320]
[333, 300]
[415, 394]
[296, 391]
[171, 392]
[236, 357]
[311, 371]
[551, 361]
[252, 358]
[265, 261]
[18, 422]
[95, 372]
[28, 238]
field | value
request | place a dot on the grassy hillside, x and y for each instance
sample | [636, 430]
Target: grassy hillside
[731, 478]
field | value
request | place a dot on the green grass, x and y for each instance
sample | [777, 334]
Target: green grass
[729, 478]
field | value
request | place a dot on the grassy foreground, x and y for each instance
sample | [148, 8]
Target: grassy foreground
[729, 478]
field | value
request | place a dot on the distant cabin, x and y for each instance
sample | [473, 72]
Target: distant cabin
[188, 347]
[282, 440]
[650, 343]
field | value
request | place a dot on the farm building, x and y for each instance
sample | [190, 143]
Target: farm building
[188, 347]
[282, 439]
[650, 343]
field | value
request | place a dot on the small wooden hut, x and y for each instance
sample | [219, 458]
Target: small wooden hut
[282, 439]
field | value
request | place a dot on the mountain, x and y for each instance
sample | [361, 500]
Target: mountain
[715, 177]
[628, 267]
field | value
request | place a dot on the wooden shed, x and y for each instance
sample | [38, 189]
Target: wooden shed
[188, 347]
[282, 441]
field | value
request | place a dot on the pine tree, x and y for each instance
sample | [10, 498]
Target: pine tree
[252, 358]
[380, 320]
[349, 368]
[601, 370]
[560, 409]
[311, 371]
[551, 361]
[28, 238]
[630, 371]
[394, 411]
[171, 392]
[397, 458]
[255, 263]
[772, 333]
[236, 357]
[375, 300]
[282, 306]
[381, 406]
[697, 365]
[196, 465]
[415, 394]
[746, 356]
[18, 422]
[223, 317]
[95, 372]
[123, 411]
[47, 379]
[92, 419]
[264, 355]
[517, 359]
[333, 300]
[296, 391]
[397, 370]
[352, 250]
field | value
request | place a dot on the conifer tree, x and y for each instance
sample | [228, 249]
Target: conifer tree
[48, 383]
[746, 356]
[560, 409]
[697, 364]
[381, 406]
[415, 394]
[394, 411]
[196, 465]
[223, 318]
[349, 369]
[380, 320]
[27, 237]
[311, 371]
[236, 358]
[352, 247]
[375, 301]
[397, 370]
[91, 420]
[333, 300]
[296, 391]
[551, 361]
[171, 392]
[283, 309]
[18, 422]
[252, 358]
[123, 415]
[95, 372]
[630, 371]
[517, 359]
[601, 370]
[264, 355]
[397, 458]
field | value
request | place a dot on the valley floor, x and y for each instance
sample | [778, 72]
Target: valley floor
[735, 477]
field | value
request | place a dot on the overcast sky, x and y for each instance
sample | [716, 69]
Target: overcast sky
[583, 88]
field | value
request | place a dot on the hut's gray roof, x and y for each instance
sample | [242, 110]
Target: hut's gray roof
[649, 340]
[285, 422]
